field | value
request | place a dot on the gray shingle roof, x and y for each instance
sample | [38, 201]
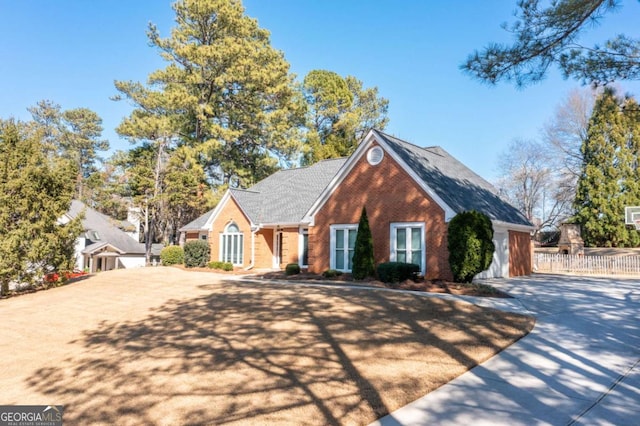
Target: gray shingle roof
[106, 229]
[457, 185]
[287, 195]
[198, 224]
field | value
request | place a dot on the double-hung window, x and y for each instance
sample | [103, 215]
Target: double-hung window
[232, 245]
[407, 243]
[343, 242]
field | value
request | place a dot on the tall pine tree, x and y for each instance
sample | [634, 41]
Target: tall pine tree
[608, 181]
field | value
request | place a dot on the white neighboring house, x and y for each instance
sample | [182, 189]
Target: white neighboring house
[103, 244]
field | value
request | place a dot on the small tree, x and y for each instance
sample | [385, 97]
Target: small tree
[470, 243]
[363, 263]
[172, 255]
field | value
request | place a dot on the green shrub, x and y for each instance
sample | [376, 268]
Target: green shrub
[292, 269]
[196, 253]
[470, 243]
[395, 272]
[331, 273]
[363, 263]
[225, 266]
[172, 255]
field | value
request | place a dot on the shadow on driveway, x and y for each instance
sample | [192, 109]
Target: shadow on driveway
[256, 354]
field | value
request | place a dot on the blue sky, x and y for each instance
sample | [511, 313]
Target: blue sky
[70, 52]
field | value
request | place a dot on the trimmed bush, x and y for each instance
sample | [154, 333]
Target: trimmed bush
[172, 255]
[196, 253]
[292, 269]
[225, 266]
[331, 273]
[363, 263]
[470, 243]
[396, 272]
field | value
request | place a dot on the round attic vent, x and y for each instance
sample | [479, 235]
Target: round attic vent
[375, 155]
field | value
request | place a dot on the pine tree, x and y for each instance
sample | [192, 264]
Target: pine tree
[363, 260]
[225, 90]
[339, 114]
[35, 192]
[608, 180]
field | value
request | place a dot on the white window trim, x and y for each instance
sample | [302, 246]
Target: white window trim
[332, 243]
[301, 233]
[392, 240]
[224, 233]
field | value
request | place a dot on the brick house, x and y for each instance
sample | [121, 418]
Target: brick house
[310, 215]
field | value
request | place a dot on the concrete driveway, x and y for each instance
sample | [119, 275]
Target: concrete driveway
[579, 366]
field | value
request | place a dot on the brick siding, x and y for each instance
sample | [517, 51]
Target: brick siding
[390, 195]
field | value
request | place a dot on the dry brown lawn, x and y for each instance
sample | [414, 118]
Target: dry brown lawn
[164, 346]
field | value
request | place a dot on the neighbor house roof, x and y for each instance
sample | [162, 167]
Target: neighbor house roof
[101, 230]
[457, 185]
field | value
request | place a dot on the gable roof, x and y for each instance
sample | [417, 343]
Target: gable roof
[101, 230]
[452, 185]
[286, 196]
[455, 184]
[282, 198]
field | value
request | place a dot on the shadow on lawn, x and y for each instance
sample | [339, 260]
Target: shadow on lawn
[250, 353]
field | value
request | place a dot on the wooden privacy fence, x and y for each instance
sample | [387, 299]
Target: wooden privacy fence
[597, 265]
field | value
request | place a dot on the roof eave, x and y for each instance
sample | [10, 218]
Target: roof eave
[512, 226]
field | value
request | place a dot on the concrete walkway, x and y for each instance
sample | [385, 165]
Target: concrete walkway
[579, 366]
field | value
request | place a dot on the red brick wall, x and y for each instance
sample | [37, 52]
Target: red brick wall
[390, 195]
[264, 249]
[289, 246]
[230, 212]
[520, 262]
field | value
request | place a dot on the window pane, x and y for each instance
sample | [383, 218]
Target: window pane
[240, 249]
[401, 256]
[232, 228]
[339, 238]
[225, 248]
[234, 248]
[350, 260]
[401, 239]
[305, 249]
[416, 240]
[416, 257]
[352, 238]
[340, 259]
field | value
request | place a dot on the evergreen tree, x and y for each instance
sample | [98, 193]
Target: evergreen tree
[74, 134]
[226, 91]
[339, 114]
[608, 181]
[363, 260]
[35, 193]
[550, 34]
[470, 245]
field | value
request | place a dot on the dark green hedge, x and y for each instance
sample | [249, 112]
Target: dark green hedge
[292, 269]
[395, 272]
[196, 253]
